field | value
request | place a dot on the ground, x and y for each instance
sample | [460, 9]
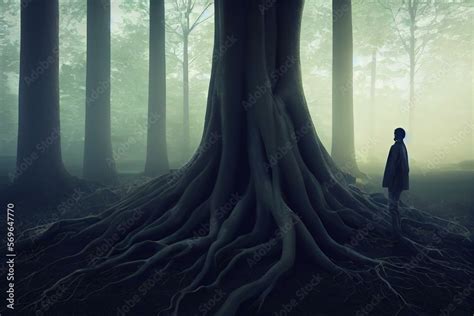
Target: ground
[444, 193]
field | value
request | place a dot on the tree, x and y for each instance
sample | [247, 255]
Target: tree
[183, 26]
[99, 164]
[316, 59]
[131, 41]
[157, 157]
[417, 25]
[260, 183]
[372, 31]
[39, 161]
[8, 66]
[7, 100]
[343, 148]
[72, 79]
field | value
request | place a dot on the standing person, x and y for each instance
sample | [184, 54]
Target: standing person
[395, 177]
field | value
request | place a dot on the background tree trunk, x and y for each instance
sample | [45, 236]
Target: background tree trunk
[471, 130]
[6, 120]
[156, 155]
[412, 57]
[5, 100]
[343, 150]
[186, 136]
[372, 120]
[39, 143]
[99, 164]
[185, 11]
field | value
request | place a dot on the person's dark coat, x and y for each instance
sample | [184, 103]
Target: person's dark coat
[395, 177]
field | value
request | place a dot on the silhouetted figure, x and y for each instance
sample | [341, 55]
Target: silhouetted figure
[395, 177]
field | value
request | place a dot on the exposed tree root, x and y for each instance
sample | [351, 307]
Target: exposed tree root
[266, 220]
[255, 202]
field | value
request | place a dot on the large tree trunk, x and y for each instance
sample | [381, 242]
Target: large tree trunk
[343, 150]
[260, 184]
[156, 155]
[186, 136]
[259, 144]
[39, 160]
[99, 164]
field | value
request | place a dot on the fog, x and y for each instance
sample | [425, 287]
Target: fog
[441, 135]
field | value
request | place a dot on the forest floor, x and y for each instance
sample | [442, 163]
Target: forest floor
[444, 193]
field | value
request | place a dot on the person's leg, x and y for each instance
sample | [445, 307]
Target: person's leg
[393, 197]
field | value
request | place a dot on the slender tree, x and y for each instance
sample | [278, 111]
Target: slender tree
[99, 164]
[183, 26]
[5, 112]
[372, 29]
[156, 154]
[39, 161]
[417, 23]
[8, 65]
[343, 148]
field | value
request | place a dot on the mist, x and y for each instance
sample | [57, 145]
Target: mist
[442, 134]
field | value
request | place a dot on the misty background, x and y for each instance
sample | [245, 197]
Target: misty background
[442, 136]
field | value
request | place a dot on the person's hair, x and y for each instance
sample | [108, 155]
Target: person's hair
[399, 133]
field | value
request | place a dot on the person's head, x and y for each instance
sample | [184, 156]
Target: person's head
[399, 133]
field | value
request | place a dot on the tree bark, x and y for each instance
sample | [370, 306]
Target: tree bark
[156, 155]
[343, 149]
[39, 159]
[99, 164]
